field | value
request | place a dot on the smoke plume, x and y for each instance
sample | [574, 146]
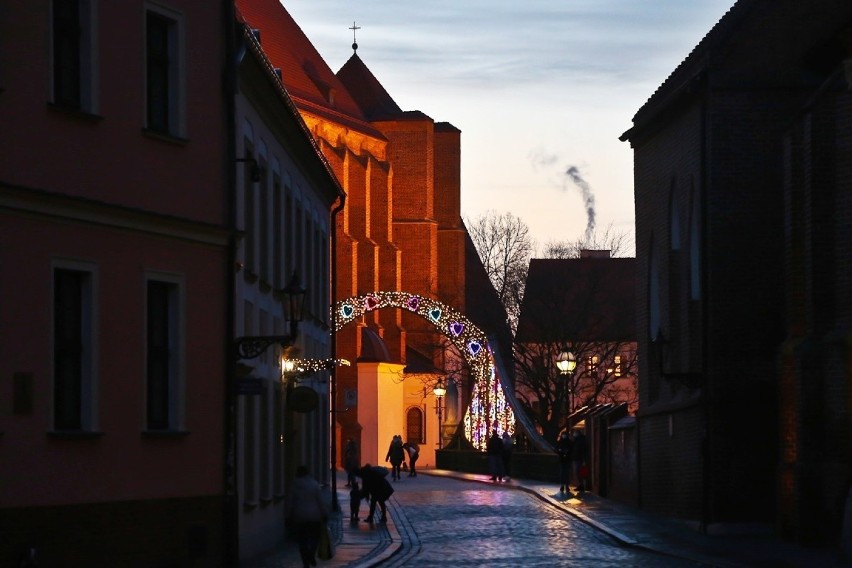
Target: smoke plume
[573, 173]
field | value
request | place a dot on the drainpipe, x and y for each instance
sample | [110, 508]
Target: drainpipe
[332, 390]
[230, 514]
[705, 395]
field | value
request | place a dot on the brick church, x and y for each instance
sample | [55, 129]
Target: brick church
[400, 229]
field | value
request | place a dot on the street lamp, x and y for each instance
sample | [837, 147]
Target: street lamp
[439, 392]
[566, 363]
[249, 347]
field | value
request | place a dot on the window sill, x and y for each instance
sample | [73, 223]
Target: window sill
[165, 137]
[164, 433]
[74, 434]
[75, 112]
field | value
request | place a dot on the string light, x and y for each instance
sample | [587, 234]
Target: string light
[303, 367]
[488, 409]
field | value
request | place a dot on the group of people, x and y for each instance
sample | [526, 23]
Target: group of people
[396, 456]
[499, 450]
[376, 488]
[573, 453]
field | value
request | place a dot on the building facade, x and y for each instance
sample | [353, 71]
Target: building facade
[113, 321]
[284, 195]
[400, 230]
[742, 209]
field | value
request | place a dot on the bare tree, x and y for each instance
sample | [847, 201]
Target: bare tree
[505, 246]
[618, 243]
[584, 307]
[606, 373]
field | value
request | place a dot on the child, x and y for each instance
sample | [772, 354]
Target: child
[355, 496]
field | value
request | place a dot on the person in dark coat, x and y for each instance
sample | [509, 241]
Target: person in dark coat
[580, 456]
[306, 510]
[508, 446]
[494, 449]
[564, 449]
[380, 490]
[396, 455]
[350, 461]
[413, 453]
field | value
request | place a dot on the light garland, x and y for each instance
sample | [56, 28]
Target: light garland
[488, 408]
[304, 367]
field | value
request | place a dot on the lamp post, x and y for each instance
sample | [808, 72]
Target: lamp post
[439, 392]
[566, 363]
[249, 347]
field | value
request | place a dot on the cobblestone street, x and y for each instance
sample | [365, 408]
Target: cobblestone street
[464, 524]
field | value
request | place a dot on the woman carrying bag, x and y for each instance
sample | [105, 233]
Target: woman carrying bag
[307, 512]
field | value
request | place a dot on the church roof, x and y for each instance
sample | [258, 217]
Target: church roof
[309, 81]
[373, 347]
[482, 304]
[368, 92]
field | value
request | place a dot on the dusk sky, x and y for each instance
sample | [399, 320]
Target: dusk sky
[541, 90]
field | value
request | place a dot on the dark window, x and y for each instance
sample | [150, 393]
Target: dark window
[277, 235]
[67, 44]
[159, 355]
[414, 425]
[159, 72]
[68, 339]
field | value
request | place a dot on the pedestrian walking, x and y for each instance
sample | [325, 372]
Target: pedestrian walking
[396, 455]
[355, 497]
[380, 490]
[350, 461]
[564, 449]
[580, 456]
[508, 446]
[413, 453]
[306, 511]
[494, 449]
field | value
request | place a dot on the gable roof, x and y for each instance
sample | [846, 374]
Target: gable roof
[579, 299]
[482, 304]
[309, 81]
[367, 91]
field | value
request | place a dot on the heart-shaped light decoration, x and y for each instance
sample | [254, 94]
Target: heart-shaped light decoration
[370, 303]
[347, 310]
[474, 347]
[435, 314]
[413, 303]
[456, 328]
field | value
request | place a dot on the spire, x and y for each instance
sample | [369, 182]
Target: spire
[354, 42]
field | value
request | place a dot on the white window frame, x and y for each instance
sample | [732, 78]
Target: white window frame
[177, 347]
[89, 100]
[177, 69]
[89, 367]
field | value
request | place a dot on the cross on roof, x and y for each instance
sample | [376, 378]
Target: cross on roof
[354, 42]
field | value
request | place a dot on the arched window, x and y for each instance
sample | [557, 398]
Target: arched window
[414, 425]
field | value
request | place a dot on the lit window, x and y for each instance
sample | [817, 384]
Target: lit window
[592, 362]
[617, 366]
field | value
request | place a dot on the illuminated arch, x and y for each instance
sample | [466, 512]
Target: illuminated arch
[488, 406]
